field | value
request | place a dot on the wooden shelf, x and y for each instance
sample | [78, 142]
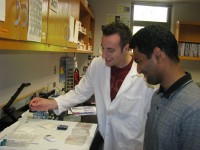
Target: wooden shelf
[188, 23]
[188, 32]
[189, 58]
[33, 46]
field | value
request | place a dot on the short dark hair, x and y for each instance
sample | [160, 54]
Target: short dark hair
[149, 37]
[118, 28]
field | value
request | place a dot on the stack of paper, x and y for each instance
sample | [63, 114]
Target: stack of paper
[79, 134]
[83, 110]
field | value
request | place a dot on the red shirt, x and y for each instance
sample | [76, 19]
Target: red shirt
[117, 77]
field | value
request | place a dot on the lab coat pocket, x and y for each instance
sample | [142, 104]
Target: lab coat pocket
[130, 106]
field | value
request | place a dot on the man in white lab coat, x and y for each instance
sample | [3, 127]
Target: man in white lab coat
[122, 96]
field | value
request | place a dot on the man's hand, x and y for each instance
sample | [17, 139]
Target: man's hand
[41, 104]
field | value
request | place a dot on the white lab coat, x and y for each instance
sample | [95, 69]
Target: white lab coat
[121, 121]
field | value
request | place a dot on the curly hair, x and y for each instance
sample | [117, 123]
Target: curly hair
[118, 28]
[149, 37]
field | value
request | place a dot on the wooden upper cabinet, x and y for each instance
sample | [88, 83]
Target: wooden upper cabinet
[15, 25]
[23, 23]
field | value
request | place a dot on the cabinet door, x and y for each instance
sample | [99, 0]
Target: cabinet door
[16, 21]
[10, 27]
[57, 23]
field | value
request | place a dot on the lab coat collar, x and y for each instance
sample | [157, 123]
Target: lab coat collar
[106, 89]
[129, 79]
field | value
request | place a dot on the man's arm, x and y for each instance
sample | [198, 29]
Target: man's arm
[41, 104]
[190, 137]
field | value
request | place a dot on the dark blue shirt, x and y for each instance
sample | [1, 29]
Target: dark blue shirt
[173, 122]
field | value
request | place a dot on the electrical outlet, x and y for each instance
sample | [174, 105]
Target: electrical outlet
[54, 70]
[54, 84]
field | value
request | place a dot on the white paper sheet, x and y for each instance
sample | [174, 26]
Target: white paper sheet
[35, 21]
[2, 10]
[24, 137]
[77, 24]
[71, 29]
[83, 110]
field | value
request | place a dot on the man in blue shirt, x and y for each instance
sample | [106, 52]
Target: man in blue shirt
[173, 122]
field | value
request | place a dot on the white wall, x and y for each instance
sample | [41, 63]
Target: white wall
[17, 67]
[187, 11]
[21, 67]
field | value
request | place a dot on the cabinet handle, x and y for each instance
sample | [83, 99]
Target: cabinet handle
[27, 16]
[18, 8]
